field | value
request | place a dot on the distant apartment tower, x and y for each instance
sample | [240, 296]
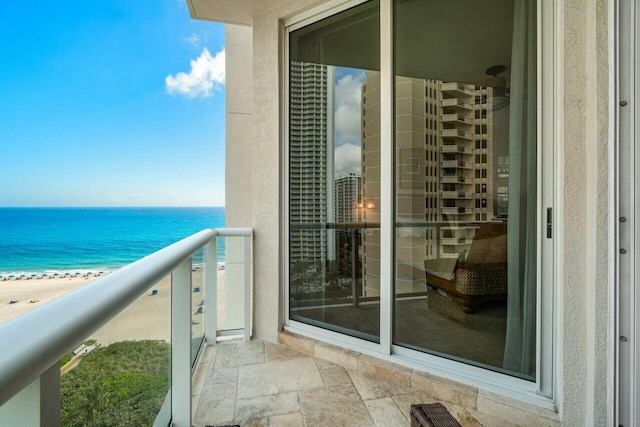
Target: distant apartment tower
[370, 180]
[311, 161]
[444, 172]
[466, 163]
[348, 199]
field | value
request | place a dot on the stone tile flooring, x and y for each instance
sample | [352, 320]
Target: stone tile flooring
[264, 384]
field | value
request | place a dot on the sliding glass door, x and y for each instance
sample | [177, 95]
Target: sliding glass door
[463, 188]
[334, 173]
[465, 181]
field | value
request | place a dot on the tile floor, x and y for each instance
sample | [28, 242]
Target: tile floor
[264, 384]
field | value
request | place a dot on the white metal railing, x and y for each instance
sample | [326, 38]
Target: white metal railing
[32, 344]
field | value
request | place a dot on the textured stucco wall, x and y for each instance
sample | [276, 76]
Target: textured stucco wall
[268, 169]
[239, 125]
[266, 162]
[238, 194]
[583, 290]
[600, 255]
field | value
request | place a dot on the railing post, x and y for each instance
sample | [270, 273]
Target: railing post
[50, 401]
[247, 288]
[38, 404]
[181, 345]
[211, 291]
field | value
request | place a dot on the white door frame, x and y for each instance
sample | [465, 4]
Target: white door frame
[628, 252]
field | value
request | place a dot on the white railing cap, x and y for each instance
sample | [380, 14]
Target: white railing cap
[34, 341]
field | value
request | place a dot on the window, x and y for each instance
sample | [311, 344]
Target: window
[498, 332]
[329, 277]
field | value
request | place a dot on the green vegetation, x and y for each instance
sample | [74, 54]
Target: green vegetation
[66, 358]
[122, 384]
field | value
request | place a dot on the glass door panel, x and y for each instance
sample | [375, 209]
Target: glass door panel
[334, 173]
[465, 181]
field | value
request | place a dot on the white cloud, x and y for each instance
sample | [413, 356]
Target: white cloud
[347, 158]
[193, 40]
[348, 109]
[207, 75]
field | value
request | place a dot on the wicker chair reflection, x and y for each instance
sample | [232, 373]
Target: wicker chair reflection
[479, 278]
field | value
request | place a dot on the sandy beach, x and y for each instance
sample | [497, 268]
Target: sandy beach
[149, 317]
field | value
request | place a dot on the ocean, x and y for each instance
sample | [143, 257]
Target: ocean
[34, 240]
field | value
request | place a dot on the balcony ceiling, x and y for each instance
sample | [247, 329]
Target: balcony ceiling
[473, 37]
[239, 12]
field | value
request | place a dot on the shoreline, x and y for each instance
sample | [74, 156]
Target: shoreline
[57, 273]
[20, 296]
[148, 317]
[50, 274]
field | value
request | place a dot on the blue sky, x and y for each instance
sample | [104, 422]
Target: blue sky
[117, 103]
[348, 119]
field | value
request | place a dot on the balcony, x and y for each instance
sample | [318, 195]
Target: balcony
[456, 211]
[456, 89]
[456, 134]
[458, 164]
[456, 195]
[455, 179]
[454, 148]
[451, 163]
[456, 104]
[456, 118]
[303, 382]
[299, 381]
[152, 319]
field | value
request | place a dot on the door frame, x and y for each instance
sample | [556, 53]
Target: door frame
[627, 215]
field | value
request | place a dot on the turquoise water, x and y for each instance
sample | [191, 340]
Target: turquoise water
[57, 239]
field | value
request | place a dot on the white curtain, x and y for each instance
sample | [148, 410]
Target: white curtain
[520, 345]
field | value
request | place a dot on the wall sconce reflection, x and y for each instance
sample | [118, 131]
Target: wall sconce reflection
[369, 205]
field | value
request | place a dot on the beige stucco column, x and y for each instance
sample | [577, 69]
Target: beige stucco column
[238, 169]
